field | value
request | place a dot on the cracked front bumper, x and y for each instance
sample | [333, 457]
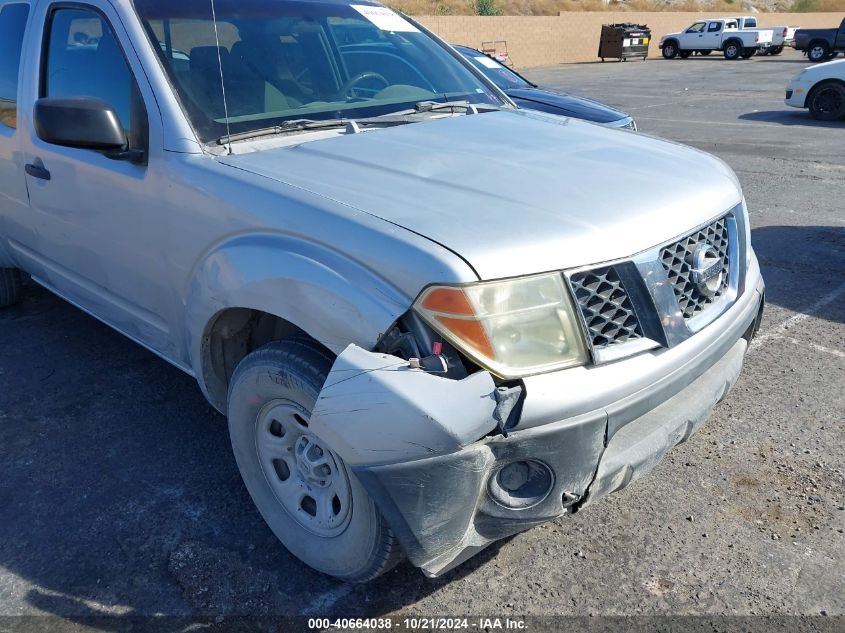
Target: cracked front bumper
[412, 438]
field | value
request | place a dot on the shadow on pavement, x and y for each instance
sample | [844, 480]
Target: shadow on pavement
[815, 255]
[792, 116]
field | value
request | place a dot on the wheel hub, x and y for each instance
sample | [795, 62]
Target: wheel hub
[313, 462]
[308, 480]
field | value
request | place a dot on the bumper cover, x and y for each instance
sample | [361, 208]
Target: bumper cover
[434, 490]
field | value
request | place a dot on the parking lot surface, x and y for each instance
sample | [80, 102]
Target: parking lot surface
[120, 495]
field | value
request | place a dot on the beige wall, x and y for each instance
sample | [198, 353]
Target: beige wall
[574, 37]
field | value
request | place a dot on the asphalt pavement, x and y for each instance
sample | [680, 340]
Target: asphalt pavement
[119, 495]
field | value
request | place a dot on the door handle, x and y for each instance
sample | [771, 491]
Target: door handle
[37, 171]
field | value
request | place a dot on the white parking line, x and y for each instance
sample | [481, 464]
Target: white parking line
[814, 346]
[668, 103]
[717, 123]
[795, 319]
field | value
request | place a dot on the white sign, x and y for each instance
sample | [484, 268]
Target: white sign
[385, 19]
[486, 61]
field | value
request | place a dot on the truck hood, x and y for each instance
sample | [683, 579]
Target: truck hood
[512, 192]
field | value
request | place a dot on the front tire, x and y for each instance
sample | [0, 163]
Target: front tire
[827, 101]
[775, 50]
[670, 50]
[705, 52]
[685, 54]
[12, 282]
[818, 51]
[309, 498]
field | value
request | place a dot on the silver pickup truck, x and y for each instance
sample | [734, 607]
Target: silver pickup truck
[433, 320]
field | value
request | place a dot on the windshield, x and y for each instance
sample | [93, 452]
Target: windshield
[293, 60]
[496, 72]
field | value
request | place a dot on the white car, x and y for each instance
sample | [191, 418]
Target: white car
[820, 88]
[705, 36]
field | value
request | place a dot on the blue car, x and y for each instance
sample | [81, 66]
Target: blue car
[527, 95]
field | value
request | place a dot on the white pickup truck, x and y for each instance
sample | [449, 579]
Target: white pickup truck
[721, 34]
[781, 35]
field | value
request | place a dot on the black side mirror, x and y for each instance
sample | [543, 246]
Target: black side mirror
[83, 122]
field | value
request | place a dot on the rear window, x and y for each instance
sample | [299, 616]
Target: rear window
[12, 25]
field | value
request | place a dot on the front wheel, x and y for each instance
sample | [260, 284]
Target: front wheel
[670, 50]
[705, 52]
[775, 50]
[12, 282]
[309, 498]
[827, 101]
[684, 54]
[818, 51]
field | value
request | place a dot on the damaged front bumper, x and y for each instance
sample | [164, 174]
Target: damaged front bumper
[412, 438]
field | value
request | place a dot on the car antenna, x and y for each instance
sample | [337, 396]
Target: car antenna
[222, 83]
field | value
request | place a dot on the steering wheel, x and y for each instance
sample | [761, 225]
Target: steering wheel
[354, 81]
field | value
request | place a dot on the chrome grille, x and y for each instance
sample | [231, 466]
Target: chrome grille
[677, 260]
[608, 312]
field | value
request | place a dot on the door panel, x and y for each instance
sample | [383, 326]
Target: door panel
[15, 220]
[99, 235]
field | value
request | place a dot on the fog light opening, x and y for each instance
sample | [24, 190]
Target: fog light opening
[521, 484]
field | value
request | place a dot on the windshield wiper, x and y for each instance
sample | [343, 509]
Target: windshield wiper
[302, 125]
[393, 118]
[423, 107]
[470, 108]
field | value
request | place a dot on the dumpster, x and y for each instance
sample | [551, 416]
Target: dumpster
[623, 41]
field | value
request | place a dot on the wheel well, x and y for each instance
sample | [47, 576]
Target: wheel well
[819, 42]
[733, 40]
[672, 41]
[229, 337]
[817, 85]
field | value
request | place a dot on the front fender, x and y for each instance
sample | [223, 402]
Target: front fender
[333, 298]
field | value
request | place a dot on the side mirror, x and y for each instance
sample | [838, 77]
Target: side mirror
[83, 122]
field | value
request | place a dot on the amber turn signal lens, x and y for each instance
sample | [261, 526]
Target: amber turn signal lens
[470, 331]
[448, 301]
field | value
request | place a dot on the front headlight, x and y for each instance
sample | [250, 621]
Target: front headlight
[513, 327]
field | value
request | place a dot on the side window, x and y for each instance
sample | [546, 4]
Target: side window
[12, 24]
[85, 60]
[751, 24]
[698, 27]
[714, 27]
